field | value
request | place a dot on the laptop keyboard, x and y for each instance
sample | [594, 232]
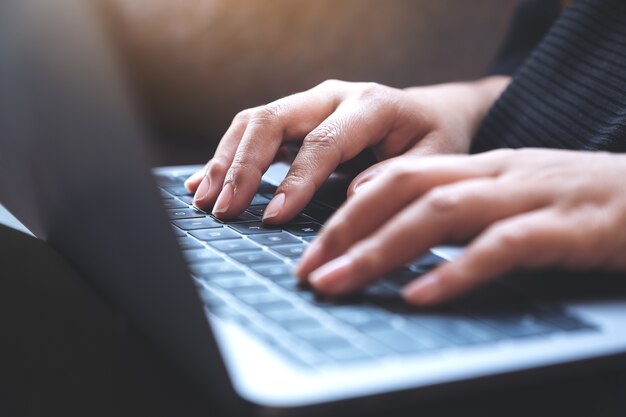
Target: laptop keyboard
[243, 271]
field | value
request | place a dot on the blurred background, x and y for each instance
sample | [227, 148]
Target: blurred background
[196, 63]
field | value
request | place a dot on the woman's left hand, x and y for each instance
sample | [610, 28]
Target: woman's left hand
[525, 208]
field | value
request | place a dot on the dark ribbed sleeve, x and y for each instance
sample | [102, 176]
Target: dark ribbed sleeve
[571, 92]
[530, 23]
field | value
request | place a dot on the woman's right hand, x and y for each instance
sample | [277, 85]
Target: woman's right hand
[335, 121]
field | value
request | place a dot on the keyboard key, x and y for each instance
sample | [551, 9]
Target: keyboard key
[266, 188]
[178, 232]
[234, 245]
[517, 325]
[266, 307]
[226, 312]
[188, 199]
[244, 217]
[290, 251]
[177, 190]
[272, 271]
[189, 243]
[253, 228]
[195, 224]
[425, 337]
[213, 269]
[304, 229]
[318, 332]
[322, 339]
[426, 262]
[240, 284]
[290, 319]
[401, 277]
[188, 213]
[318, 212]
[234, 282]
[563, 321]
[301, 218]
[165, 195]
[209, 235]
[257, 257]
[313, 298]
[382, 291]
[183, 177]
[196, 256]
[308, 238]
[457, 329]
[259, 199]
[209, 298]
[173, 203]
[265, 303]
[272, 239]
[257, 210]
[360, 317]
[254, 299]
[397, 341]
[166, 180]
[290, 283]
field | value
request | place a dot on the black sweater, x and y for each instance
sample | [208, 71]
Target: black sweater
[569, 86]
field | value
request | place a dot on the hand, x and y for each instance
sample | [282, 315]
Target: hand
[520, 209]
[337, 121]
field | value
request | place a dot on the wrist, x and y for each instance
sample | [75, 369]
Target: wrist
[460, 107]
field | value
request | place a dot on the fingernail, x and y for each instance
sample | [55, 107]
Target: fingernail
[310, 256]
[274, 207]
[223, 201]
[425, 290]
[334, 276]
[203, 189]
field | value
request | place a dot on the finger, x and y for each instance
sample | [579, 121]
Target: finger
[369, 174]
[430, 145]
[401, 183]
[359, 217]
[210, 179]
[534, 239]
[194, 180]
[288, 118]
[343, 135]
[451, 213]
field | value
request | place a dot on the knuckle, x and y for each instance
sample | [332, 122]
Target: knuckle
[330, 84]
[509, 237]
[242, 169]
[267, 114]
[325, 136]
[217, 166]
[297, 178]
[243, 116]
[506, 154]
[373, 91]
[443, 200]
[401, 174]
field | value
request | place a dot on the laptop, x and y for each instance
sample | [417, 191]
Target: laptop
[219, 298]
